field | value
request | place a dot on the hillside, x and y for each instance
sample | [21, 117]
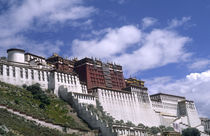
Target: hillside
[39, 105]
[13, 125]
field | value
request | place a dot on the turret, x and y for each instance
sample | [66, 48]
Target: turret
[16, 55]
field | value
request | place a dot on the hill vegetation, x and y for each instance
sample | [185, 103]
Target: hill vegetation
[13, 125]
[32, 101]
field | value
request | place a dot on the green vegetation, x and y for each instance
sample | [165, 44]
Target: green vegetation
[13, 125]
[130, 124]
[191, 132]
[33, 101]
[161, 129]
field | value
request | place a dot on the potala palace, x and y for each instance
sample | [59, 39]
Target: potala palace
[89, 80]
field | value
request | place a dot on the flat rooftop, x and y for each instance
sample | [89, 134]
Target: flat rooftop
[157, 94]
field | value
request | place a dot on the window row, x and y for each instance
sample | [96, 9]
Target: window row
[22, 71]
[66, 78]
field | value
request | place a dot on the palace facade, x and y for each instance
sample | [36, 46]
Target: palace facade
[90, 80]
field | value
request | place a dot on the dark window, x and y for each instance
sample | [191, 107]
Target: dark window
[21, 72]
[32, 74]
[13, 71]
[39, 76]
[1, 69]
[26, 72]
[43, 75]
[75, 80]
[58, 77]
[7, 70]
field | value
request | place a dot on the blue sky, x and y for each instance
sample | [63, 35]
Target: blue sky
[165, 43]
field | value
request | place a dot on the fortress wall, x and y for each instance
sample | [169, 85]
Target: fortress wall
[68, 81]
[18, 75]
[93, 121]
[128, 107]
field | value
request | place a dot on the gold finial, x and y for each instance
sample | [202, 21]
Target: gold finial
[55, 54]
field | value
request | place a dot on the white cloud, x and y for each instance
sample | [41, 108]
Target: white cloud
[160, 47]
[114, 41]
[176, 23]
[148, 21]
[199, 64]
[134, 49]
[21, 16]
[195, 86]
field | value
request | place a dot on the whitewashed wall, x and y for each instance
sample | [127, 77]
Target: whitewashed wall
[20, 75]
[192, 114]
[127, 107]
[68, 81]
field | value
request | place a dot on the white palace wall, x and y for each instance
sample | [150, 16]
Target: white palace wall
[127, 107]
[22, 73]
[69, 81]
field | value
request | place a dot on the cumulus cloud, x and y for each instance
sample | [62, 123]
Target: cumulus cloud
[21, 16]
[135, 49]
[148, 21]
[160, 47]
[194, 86]
[113, 42]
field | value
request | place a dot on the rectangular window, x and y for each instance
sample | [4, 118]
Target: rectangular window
[39, 76]
[7, 70]
[43, 75]
[13, 71]
[75, 80]
[26, 72]
[32, 74]
[21, 72]
[1, 69]
[58, 77]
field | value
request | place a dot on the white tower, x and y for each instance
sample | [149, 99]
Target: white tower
[16, 55]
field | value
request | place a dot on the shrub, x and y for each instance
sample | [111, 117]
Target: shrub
[24, 86]
[2, 132]
[169, 129]
[38, 94]
[191, 132]
[17, 101]
[42, 106]
[154, 130]
[141, 125]
[130, 124]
